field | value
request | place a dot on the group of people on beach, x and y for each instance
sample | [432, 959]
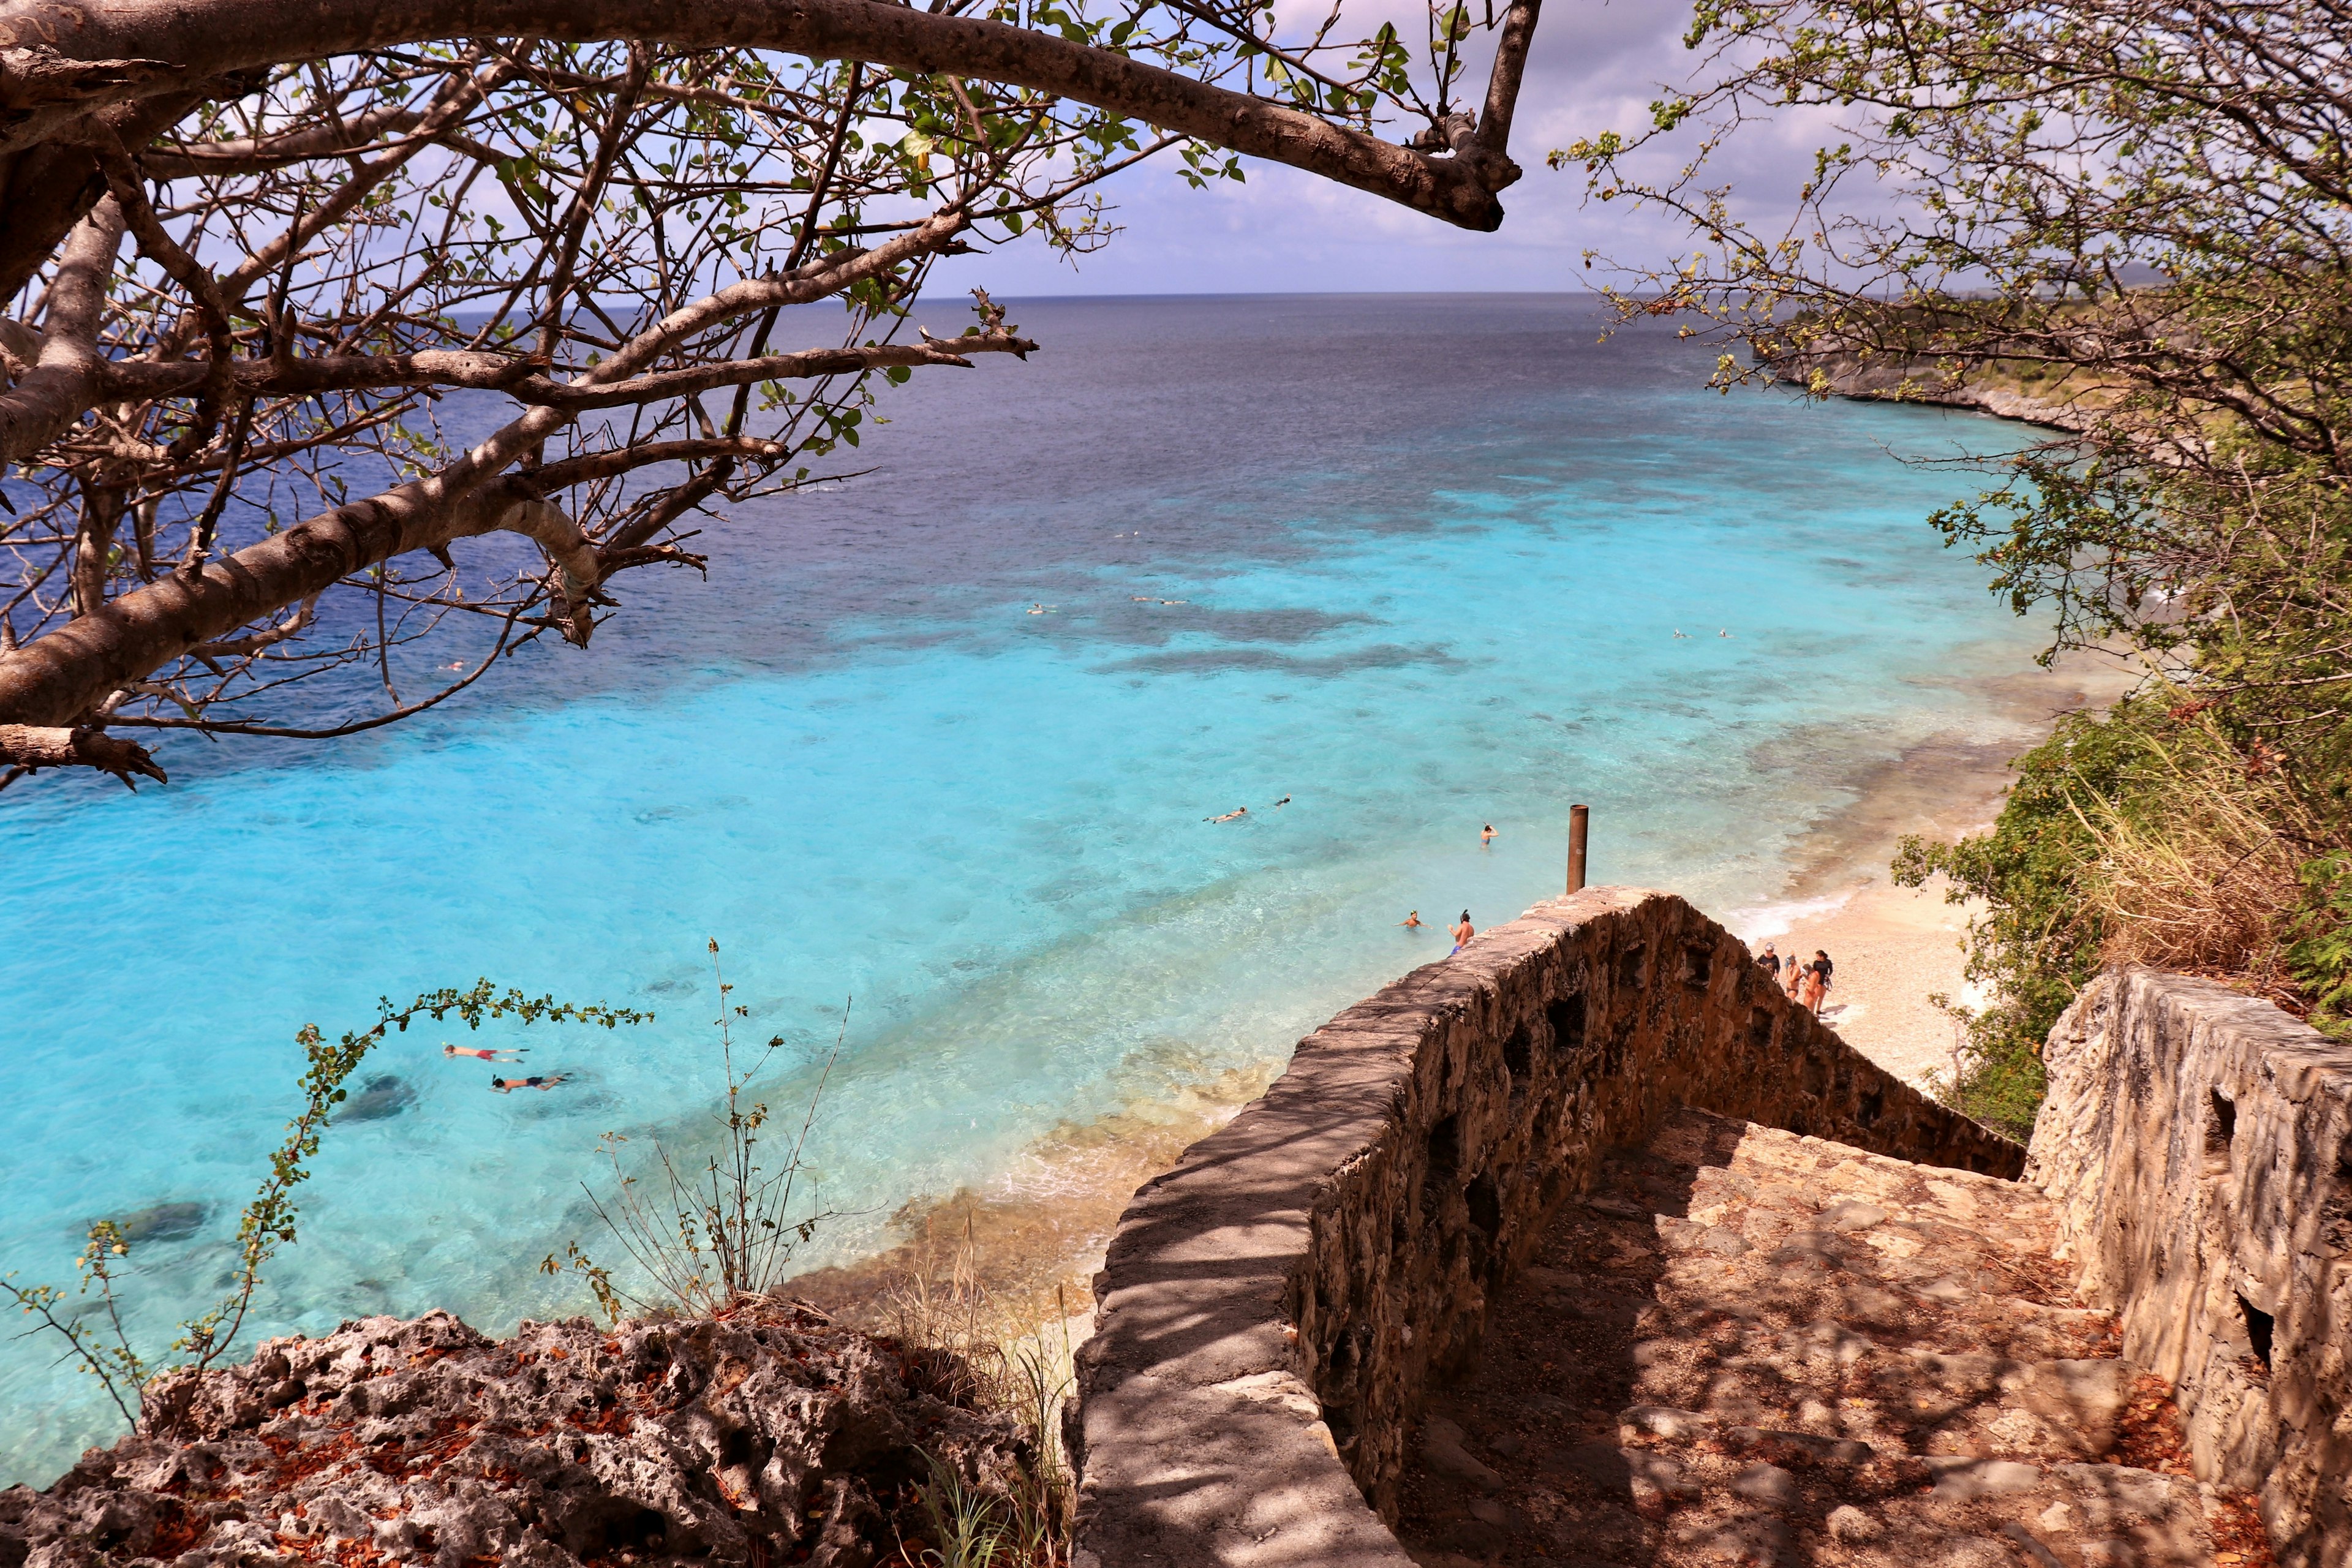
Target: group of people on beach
[1806, 982]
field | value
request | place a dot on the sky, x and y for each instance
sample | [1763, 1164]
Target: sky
[1596, 66]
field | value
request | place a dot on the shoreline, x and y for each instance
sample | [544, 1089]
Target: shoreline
[1894, 948]
[1021, 1254]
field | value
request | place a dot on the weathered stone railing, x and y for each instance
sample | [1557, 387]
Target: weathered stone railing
[2199, 1145]
[1272, 1308]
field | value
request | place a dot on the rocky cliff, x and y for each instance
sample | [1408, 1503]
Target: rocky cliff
[765, 1437]
[1877, 376]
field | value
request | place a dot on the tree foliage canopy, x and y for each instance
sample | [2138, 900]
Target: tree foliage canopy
[2137, 215]
[347, 347]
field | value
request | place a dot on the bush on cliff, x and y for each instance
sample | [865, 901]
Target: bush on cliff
[2138, 836]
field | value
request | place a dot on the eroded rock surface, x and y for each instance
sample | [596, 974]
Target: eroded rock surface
[767, 1437]
[2199, 1145]
[1881, 377]
[1745, 1346]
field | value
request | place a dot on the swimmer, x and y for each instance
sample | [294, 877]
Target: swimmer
[1681, 634]
[483, 1053]
[509, 1085]
[1284, 801]
[1175, 601]
[1036, 609]
[1237, 810]
[1724, 633]
[1463, 933]
[1412, 922]
[1487, 834]
[1139, 598]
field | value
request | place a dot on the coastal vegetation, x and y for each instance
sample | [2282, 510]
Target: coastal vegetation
[348, 351]
[2140, 217]
[721, 1234]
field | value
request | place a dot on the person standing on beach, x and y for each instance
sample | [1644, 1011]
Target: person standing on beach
[1769, 961]
[1463, 933]
[1817, 980]
[1794, 979]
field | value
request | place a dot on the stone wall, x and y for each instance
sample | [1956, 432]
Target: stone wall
[1271, 1308]
[2200, 1144]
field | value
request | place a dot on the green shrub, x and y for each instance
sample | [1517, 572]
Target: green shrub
[2150, 834]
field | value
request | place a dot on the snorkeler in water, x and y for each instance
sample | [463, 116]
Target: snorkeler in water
[484, 1053]
[509, 1085]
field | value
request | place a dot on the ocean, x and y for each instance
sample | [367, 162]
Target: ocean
[943, 738]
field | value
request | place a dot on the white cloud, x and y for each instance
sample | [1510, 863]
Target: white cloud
[1597, 65]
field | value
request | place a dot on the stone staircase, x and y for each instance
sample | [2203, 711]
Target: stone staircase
[1746, 1346]
[1507, 1268]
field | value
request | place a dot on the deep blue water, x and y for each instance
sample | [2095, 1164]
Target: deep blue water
[1426, 558]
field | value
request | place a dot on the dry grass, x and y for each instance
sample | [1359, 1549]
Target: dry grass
[1012, 1362]
[2203, 880]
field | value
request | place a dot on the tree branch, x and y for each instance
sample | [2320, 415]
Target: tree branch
[207, 37]
[285, 630]
[63, 383]
[340, 139]
[40, 746]
[520, 378]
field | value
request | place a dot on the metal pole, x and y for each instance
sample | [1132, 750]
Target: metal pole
[1579, 820]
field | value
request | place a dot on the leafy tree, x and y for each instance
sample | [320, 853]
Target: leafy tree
[356, 346]
[2137, 217]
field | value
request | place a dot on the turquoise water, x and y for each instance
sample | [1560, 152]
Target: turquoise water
[1430, 555]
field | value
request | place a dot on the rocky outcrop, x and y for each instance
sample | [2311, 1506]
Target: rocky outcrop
[1273, 1308]
[2199, 1145]
[765, 1436]
[1883, 377]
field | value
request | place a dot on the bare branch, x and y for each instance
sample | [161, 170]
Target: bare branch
[63, 382]
[33, 746]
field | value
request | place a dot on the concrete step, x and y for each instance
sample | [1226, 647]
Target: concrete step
[1745, 1346]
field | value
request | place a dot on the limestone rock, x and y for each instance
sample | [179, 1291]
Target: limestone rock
[767, 1436]
[1444, 1446]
